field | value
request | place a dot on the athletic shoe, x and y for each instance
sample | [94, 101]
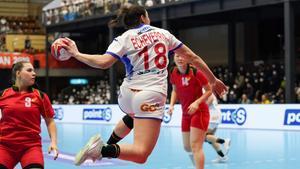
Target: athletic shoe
[220, 159]
[92, 150]
[227, 146]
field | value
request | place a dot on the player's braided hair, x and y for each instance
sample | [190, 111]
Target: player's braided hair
[128, 16]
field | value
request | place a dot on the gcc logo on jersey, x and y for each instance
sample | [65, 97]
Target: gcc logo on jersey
[234, 116]
[59, 113]
[149, 107]
[292, 117]
[104, 114]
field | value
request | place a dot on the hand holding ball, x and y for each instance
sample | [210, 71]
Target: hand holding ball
[58, 52]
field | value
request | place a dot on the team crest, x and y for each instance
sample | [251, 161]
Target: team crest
[185, 81]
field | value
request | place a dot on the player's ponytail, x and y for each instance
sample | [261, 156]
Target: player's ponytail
[128, 17]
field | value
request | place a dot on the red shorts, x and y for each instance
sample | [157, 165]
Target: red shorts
[10, 159]
[198, 120]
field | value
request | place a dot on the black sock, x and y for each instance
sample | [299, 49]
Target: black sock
[220, 153]
[111, 150]
[114, 138]
[221, 141]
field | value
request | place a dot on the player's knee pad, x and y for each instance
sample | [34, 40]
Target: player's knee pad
[128, 121]
[3, 166]
[34, 166]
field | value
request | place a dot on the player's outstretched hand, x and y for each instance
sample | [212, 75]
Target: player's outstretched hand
[70, 46]
[219, 88]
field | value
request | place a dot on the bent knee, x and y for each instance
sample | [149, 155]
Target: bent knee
[141, 159]
[196, 146]
[141, 155]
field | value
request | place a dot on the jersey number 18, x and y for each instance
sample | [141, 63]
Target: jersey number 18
[160, 59]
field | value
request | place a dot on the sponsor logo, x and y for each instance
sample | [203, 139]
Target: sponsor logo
[153, 71]
[104, 114]
[149, 107]
[58, 113]
[292, 117]
[234, 116]
[167, 118]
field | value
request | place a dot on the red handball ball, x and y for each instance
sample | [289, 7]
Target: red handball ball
[58, 52]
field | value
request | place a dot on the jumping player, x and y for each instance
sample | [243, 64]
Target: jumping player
[144, 50]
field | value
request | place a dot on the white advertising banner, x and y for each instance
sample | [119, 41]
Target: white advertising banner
[103, 114]
[252, 116]
[261, 116]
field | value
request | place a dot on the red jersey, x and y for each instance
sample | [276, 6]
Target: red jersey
[189, 87]
[21, 117]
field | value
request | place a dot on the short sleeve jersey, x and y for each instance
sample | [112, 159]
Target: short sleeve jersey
[21, 117]
[189, 87]
[144, 51]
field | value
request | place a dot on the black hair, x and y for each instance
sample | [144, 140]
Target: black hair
[128, 17]
[16, 67]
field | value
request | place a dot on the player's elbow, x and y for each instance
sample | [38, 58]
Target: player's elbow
[104, 65]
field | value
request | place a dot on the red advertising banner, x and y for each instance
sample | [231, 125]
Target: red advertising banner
[8, 59]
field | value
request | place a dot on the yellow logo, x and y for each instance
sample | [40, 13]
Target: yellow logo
[149, 107]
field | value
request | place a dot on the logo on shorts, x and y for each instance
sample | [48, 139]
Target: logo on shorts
[292, 117]
[149, 107]
[58, 113]
[234, 116]
[104, 114]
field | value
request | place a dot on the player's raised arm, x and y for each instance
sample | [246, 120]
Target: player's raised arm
[218, 86]
[97, 61]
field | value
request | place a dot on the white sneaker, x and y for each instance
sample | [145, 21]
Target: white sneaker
[227, 146]
[220, 159]
[92, 150]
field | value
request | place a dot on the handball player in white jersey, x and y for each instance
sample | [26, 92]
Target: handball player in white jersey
[144, 51]
[215, 120]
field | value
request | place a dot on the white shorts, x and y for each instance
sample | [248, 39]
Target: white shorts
[142, 103]
[213, 126]
[215, 118]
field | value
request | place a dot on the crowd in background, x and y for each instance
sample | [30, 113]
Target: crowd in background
[18, 25]
[253, 84]
[94, 93]
[73, 9]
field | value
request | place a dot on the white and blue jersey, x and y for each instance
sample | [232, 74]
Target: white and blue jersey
[144, 51]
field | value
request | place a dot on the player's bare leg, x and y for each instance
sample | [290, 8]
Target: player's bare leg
[146, 132]
[187, 145]
[197, 140]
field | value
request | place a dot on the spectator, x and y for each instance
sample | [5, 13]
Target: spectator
[265, 99]
[244, 99]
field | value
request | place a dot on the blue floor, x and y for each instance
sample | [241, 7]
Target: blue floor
[250, 149]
